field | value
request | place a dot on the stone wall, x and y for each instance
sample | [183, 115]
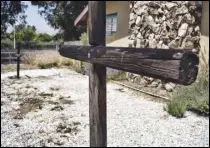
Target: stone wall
[164, 24]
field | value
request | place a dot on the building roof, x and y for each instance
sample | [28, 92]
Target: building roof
[82, 18]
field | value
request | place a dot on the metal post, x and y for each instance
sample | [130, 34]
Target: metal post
[18, 61]
[14, 38]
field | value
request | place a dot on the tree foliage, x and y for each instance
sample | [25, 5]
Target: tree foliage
[58, 14]
[11, 11]
[58, 37]
[25, 33]
[61, 15]
[43, 37]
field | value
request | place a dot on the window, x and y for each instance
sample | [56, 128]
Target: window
[111, 23]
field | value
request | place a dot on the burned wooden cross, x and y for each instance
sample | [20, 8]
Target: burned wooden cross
[178, 66]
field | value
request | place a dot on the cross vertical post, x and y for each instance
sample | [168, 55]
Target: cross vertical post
[97, 76]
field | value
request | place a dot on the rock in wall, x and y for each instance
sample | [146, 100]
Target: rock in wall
[164, 24]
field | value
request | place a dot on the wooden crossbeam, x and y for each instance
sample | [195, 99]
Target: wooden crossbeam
[175, 65]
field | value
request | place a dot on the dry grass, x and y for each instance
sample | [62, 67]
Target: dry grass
[66, 62]
[41, 58]
[13, 67]
[117, 77]
[8, 67]
[48, 59]
[29, 58]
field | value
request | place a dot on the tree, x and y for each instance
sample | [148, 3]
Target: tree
[11, 11]
[20, 27]
[58, 36]
[25, 33]
[8, 36]
[44, 37]
[61, 15]
[29, 33]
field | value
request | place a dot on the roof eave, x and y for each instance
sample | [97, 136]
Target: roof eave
[82, 17]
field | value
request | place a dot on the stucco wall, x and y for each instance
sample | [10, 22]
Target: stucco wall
[204, 42]
[123, 10]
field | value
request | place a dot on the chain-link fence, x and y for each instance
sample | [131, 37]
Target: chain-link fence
[9, 45]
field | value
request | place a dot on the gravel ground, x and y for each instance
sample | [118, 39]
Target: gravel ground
[51, 107]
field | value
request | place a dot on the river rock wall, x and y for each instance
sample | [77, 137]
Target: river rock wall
[164, 24]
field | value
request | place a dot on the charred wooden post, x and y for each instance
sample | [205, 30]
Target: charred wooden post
[97, 76]
[175, 65]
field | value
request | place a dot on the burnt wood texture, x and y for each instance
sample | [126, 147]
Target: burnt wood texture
[97, 76]
[175, 65]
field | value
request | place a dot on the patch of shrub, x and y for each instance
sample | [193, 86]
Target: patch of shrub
[195, 97]
[176, 108]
